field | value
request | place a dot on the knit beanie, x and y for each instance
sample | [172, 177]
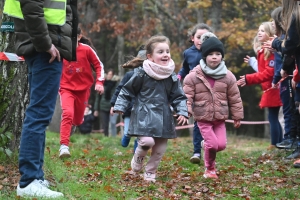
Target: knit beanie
[210, 45]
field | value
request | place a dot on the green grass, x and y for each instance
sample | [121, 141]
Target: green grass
[97, 170]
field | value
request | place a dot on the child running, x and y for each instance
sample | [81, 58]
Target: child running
[155, 87]
[75, 85]
[191, 58]
[212, 91]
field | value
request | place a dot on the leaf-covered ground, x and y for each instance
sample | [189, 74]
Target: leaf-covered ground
[98, 169]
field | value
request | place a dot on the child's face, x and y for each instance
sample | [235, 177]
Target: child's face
[261, 34]
[161, 54]
[197, 36]
[86, 110]
[213, 59]
[109, 75]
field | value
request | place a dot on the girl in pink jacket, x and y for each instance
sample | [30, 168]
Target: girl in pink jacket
[212, 91]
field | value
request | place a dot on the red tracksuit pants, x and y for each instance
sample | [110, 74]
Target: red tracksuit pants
[73, 104]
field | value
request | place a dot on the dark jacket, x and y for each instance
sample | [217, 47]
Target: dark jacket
[102, 102]
[34, 35]
[277, 67]
[151, 114]
[87, 125]
[113, 100]
[192, 57]
[291, 47]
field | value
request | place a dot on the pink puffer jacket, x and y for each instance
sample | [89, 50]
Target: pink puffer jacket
[209, 104]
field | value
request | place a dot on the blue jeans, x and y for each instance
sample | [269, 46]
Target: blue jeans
[197, 138]
[44, 80]
[113, 121]
[126, 125]
[275, 127]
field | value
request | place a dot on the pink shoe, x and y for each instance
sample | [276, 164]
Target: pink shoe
[210, 174]
[137, 166]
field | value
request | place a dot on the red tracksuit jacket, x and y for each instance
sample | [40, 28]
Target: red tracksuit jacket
[78, 75]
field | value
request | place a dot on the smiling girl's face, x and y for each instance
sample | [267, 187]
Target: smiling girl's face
[161, 54]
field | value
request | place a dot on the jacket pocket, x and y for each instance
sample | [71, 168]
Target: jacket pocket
[142, 116]
[224, 108]
[200, 108]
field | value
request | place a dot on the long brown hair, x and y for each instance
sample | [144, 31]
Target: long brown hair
[277, 17]
[149, 47]
[290, 9]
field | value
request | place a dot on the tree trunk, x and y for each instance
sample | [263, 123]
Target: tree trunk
[216, 15]
[14, 96]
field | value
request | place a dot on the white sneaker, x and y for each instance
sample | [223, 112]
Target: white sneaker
[45, 183]
[64, 151]
[149, 177]
[36, 189]
[195, 159]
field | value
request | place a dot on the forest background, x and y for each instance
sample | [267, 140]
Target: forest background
[117, 30]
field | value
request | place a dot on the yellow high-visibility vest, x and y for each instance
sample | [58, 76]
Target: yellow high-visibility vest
[54, 10]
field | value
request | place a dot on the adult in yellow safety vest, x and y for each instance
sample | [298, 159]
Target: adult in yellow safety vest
[46, 32]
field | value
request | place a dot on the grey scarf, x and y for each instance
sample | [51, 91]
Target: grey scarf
[217, 73]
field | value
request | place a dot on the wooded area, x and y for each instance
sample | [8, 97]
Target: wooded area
[118, 28]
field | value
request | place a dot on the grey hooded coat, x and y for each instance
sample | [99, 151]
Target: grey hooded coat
[151, 114]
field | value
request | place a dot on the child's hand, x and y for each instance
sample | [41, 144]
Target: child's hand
[246, 60]
[182, 120]
[268, 44]
[294, 84]
[96, 113]
[99, 88]
[236, 123]
[118, 111]
[242, 81]
[111, 111]
[283, 73]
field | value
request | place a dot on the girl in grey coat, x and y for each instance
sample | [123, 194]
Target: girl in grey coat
[155, 87]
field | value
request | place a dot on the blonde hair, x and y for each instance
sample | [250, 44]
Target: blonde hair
[256, 44]
[149, 48]
[269, 30]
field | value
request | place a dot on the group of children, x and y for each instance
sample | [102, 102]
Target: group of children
[151, 94]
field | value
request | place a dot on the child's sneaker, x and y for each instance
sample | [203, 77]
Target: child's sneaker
[195, 159]
[210, 174]
[64, 151]
[297, 164]
[125, 141]
[36, 189]
[137, 166]
[148, 176]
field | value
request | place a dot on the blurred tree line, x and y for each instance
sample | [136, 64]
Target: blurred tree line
[117, 30]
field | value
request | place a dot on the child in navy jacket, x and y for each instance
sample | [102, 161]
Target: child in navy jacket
[192, 57]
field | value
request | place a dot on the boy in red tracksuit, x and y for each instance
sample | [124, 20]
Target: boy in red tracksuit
[76, 81]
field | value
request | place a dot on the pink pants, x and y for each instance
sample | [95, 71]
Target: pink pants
[73, 104]
[214, 135]
[158, 145]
